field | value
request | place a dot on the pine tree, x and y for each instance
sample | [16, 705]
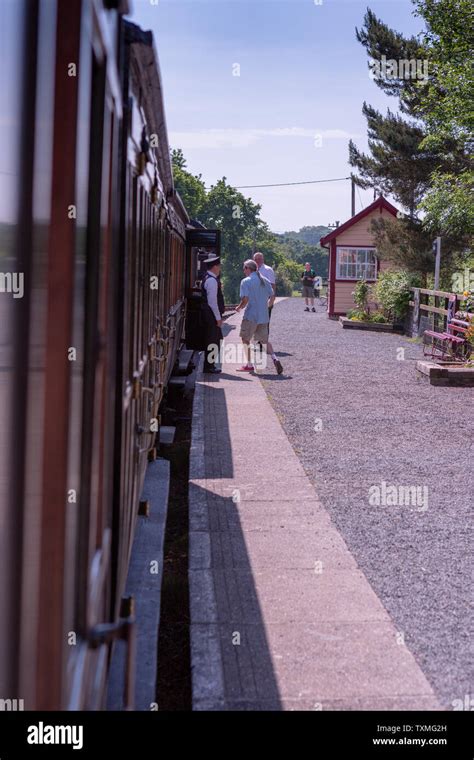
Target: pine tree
[405, 159]
[380, 41]
[396, 164]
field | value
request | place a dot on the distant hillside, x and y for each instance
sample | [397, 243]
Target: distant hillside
[310, 235]
[304, 246]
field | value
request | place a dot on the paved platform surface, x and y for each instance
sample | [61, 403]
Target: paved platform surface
[281, 615]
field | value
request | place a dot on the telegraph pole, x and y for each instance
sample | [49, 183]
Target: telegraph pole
[353, 197]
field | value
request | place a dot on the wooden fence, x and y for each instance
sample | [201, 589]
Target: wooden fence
[429, 310]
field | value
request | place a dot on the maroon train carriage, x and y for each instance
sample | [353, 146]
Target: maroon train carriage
[90, 219]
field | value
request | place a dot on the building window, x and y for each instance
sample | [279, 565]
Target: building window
[356, 263]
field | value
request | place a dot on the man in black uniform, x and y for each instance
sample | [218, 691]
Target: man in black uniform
[214, 308]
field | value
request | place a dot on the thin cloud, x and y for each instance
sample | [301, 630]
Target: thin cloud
[242, 138]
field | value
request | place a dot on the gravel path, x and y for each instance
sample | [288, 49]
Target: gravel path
[357, 417]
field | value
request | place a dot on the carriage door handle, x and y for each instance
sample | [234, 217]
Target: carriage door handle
[123, 630]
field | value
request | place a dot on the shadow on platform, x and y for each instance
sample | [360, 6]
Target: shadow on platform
[231, 661]
[232, 665]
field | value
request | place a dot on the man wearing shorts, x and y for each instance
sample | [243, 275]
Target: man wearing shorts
[307, 278]
[255, 292]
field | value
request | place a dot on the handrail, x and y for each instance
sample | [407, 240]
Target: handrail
[426, 308]
[438, 293]
[433, 309]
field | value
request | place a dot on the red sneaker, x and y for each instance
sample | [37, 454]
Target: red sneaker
[245, 368]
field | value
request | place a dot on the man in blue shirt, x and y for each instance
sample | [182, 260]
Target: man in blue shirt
[255, 292]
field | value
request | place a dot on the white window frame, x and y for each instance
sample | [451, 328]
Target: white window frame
[362, 267]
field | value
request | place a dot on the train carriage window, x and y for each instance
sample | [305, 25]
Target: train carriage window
[135, 253]
[133, 268]
[146, 279]
[139, 286]
[132, 280]
[154, 266]
[168, 269]
[73, 539]
[160, 267]
[153, 269]
[13, 35]
[151, 272]
[143, 292]
[178, 267]
[89, 442]
[98, 411]
[163, 271]
[37, 414]
[143, 256]
[145, 289]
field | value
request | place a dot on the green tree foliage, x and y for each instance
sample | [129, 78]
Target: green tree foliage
[425, 160]
[236, 216]
[396, 165]
[361, 296]
[190, 187]
[379, 41]
[446, 105]
[449, 205]
[288, 275]
[303, 246]
[309, 234]
[392, 292]
[409, 245]
[446, 100]
[405, 243]
[243, 232]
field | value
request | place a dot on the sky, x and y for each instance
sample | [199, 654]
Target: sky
[271, 91]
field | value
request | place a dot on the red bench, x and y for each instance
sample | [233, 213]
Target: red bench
[450, 345]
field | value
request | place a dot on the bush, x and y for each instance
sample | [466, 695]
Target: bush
[468, 303]
[284, 285]
[287, 276]
[392, 292]
[361, 296]
[357, 315]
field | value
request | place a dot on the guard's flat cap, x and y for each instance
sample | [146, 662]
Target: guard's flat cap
[212, 261]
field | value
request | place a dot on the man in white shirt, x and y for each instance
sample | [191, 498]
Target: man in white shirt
[214, 308]
[267, 272]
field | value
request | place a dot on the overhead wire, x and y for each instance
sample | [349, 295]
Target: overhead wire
[288, 184]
